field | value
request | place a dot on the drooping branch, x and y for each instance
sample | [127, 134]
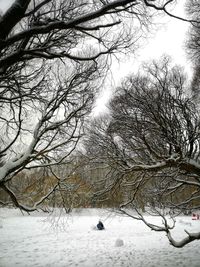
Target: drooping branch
[188, 239]
[17, 204]
[164, 228]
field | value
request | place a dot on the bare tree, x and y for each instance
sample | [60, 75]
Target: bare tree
[193, 8]
[152, 145]
[52, 57]
[193, 44]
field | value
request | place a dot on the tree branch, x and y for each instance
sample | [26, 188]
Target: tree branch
[13, 15]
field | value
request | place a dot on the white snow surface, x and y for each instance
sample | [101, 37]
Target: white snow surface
[41, 240]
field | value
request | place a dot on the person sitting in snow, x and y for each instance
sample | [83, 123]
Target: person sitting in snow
[100, 226]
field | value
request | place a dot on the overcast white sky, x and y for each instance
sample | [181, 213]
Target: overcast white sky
[5, 4]
[168, 39]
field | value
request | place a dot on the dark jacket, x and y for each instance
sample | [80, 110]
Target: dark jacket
[100, 226]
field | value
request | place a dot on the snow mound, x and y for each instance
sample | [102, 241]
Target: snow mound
[93, 227]
[119, 243]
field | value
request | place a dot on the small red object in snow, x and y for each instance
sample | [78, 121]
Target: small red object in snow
[195, 216]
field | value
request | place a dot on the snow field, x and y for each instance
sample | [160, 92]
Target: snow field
[39, 240]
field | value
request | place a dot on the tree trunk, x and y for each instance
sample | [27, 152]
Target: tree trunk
[12, 16]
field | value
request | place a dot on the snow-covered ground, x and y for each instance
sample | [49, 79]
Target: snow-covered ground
[40, 240]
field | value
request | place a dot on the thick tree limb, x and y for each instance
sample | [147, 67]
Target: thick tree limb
[55, 25]
[13, 15]
[179, 244]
